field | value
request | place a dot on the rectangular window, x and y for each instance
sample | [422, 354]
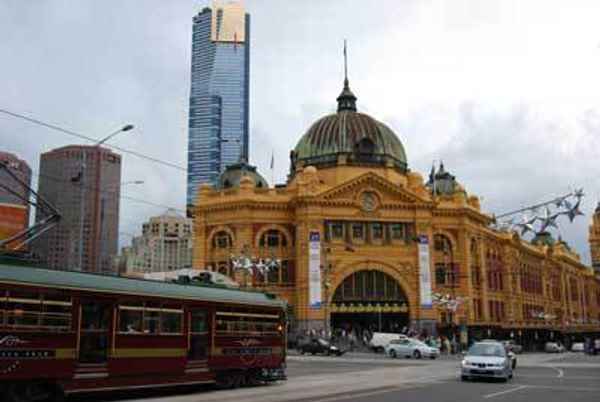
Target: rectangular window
[377, 231]
[358, 231]
[247, 323]
[170, 322]
[199, 323]
[131, 319]
[150, 319]
[23, 309]
[337, 230]
[398, 231]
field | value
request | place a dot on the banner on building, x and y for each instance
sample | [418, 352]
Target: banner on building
[424, 272]
[314, 270]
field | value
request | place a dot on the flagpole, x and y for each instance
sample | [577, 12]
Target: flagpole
[273, 167]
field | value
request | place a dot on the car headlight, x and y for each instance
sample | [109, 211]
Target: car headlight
[465, 363]
[334, 348]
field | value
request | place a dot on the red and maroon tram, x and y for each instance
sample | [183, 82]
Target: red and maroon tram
[69, 332]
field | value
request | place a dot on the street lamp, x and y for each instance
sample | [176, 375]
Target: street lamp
[127, 127]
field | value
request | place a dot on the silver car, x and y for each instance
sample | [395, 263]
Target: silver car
[410, 348]
[486, 359]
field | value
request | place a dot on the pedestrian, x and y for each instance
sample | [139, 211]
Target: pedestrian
[447, 346]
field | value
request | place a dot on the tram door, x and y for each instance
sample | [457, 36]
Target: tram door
[198, 336]
[94, 330]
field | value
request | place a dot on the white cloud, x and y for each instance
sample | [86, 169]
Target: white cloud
[506, 92]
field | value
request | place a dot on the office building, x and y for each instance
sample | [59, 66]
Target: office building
[91, 227]
[218, 114]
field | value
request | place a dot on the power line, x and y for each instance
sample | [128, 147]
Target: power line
[90, 139]
[105, 191]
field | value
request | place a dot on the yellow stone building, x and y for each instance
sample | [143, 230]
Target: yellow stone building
[384, 240]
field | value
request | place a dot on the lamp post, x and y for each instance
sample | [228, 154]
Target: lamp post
[125, 128]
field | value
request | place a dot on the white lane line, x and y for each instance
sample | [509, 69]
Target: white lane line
[566, 389]
[505, 391]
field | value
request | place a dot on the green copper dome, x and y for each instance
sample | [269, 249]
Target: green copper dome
[233, 174]
[362, 139]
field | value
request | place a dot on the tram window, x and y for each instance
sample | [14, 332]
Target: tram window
[151, 321]
[257, 324]
[95, 316]
[130, 320]
[151, 318]
[56, 315]
[23, 309]
[170, 322]
[198, 324]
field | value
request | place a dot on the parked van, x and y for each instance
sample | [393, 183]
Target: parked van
[381, 339]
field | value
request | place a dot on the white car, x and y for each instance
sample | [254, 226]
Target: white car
[410, 348]
[381, 339]
[577, 347]
[486, 359]
[554, 347]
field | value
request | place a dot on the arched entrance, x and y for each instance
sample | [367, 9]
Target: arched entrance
[369, 299]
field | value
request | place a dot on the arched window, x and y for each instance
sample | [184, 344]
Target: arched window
[446, 270]
[369, 286]
[475, 264]
[273, 238]
[222, 240]
[365, 146]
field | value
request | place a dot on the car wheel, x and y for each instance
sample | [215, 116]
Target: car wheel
[393, 354]
[302, 351]
[417, 354]
[432, 357]
[464, 378]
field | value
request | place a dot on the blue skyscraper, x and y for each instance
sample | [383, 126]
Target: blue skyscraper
[218, 120]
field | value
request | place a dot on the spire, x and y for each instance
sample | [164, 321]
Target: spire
[346, 100]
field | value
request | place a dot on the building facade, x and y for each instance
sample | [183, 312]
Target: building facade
[218, 117]
[165, 245]
[366, 243]
[92, 227]
[21, 169]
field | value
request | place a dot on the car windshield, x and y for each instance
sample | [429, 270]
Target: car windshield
[486, 349]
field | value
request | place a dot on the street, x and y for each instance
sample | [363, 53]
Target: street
[373, 378]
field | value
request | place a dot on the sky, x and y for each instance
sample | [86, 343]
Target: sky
[506, 92]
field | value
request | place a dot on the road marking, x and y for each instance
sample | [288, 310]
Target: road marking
[561, 373]
[563, 388]
[505, 391]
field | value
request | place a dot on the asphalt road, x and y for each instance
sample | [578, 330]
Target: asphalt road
[530, 384]
[368, 378]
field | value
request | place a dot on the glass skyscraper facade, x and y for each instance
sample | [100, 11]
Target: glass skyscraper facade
[218, 116]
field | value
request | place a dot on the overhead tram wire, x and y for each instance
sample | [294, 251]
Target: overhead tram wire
[121, 196]
[93, 140]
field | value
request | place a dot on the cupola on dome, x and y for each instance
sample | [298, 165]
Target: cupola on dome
[356, 138]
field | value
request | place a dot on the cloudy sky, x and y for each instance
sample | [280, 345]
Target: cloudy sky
[506, 92]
